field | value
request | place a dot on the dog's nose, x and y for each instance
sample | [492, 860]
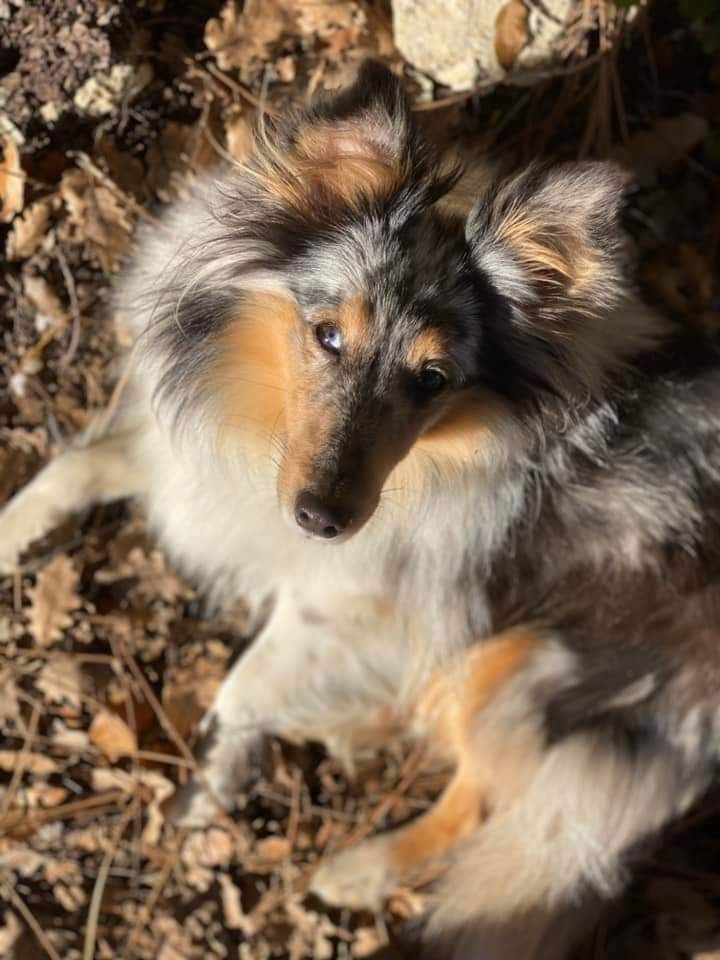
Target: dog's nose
[317, 517]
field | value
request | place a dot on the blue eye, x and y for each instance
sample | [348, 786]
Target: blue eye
[329, 337]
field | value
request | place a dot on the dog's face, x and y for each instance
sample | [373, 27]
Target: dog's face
[357, 323]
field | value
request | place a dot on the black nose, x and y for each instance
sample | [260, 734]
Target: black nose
[317, 517]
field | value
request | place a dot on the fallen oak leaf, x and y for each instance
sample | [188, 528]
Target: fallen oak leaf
[96, 218]
[28, 231]
[53, 598]
[12, 180]
[62, 680]
[112, 736]
[36, 763]
[239, 39]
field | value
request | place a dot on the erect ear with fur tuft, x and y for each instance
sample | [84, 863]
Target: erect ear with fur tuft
[550, 242]
[551, 232]
[352, 147]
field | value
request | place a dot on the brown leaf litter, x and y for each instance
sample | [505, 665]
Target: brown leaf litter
[107, 658]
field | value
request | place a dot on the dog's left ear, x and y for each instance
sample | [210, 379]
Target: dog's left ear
[350, 148]
[550, 232]
[550, 243]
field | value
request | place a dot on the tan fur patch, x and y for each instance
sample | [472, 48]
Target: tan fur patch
[251, 375]
[309, 430]
[554, 253]
[458, 812]
[429, 344]
[468, 425]
[329, 164]
[448, 708]
[354, 320]
[457, 692]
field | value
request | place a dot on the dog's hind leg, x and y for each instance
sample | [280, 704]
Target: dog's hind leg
[79, 477]
[361, 876]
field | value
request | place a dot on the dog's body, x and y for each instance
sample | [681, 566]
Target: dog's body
[511, 460]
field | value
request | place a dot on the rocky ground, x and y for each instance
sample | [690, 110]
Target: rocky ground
[106, 657]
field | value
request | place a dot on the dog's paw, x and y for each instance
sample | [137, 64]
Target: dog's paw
[359, 878]
[227, 763]
[194, 807]
[18, 528]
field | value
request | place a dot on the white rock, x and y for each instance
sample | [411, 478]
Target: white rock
[453, 41]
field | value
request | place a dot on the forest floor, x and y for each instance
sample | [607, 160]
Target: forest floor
[107, 659]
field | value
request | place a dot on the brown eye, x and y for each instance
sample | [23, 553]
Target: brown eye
[432, 379]
[329, 337]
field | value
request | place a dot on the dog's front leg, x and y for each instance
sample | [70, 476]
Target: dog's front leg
[312, 673]
[83, 475]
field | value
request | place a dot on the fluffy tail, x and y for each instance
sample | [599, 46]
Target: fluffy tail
[525, 886]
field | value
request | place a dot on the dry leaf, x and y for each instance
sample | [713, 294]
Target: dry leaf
[53, 598]
[366, 942]
[273, 849]
[42, 297]
[28, 231]
[71, 740]
[511, 32]
[103, 780]
[102, 93]
[9, 705]
[97, 218]
[240, 39]
[321, 19]
[238, 135]
[12, 180]
[152, 573]
[213, 847]
[189, 690]
[10, 932]
[233, 913]
[31, 762]
[110, 734]
[61, 680]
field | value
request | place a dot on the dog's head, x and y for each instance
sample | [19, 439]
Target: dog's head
[342, 313]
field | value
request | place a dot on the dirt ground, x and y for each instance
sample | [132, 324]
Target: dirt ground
[107, 659]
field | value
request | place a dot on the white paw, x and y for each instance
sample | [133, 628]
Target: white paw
[194, 807]
[226, 764]
[359, 878]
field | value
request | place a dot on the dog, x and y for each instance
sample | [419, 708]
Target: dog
[469, 483]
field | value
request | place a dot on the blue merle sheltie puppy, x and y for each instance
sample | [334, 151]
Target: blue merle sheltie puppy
[469, 483]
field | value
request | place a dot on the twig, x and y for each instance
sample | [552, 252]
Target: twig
[408, 774]
[30, 920]
[30, 821]
[101, 879]
[146, 909]
[169, 728]
[157, 708]
[21, 763]
[240, 90]
[74, 309]
[85, 163]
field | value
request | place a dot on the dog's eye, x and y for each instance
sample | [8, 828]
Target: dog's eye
[329, 337]
[432, 379]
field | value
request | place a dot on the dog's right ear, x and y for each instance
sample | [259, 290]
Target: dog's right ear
[355, 147]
